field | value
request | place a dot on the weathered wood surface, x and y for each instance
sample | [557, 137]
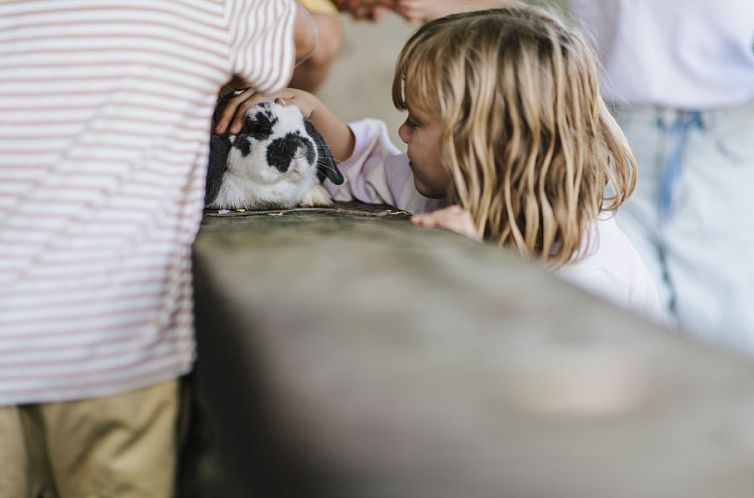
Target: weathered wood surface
[343, 354]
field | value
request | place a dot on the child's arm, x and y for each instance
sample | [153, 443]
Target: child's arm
[337, 135]
[376, 172]
[305, 35]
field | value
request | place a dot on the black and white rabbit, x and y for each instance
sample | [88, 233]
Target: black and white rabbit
[277, 161]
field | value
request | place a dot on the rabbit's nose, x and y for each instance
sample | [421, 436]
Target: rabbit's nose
[287, 152]
[299, 164]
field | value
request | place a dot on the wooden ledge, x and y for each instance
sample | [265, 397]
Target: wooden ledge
[346, 353]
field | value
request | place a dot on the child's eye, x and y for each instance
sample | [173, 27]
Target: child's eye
[411, 123]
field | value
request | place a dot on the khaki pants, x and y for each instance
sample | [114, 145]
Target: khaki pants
[112, 446]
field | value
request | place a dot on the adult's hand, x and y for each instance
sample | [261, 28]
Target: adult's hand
[231, 114]
[366, 9]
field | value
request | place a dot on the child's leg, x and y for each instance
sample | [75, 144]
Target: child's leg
[311, 73]
[639, 217]
[710, 233]
[124, 445]
[690, 216]
[22, 454]
[427, 10]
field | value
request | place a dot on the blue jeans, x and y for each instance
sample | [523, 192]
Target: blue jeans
[692, 215]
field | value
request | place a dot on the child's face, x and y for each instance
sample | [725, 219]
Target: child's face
[422, 135]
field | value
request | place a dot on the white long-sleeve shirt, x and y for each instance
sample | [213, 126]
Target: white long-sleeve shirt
[609, 267]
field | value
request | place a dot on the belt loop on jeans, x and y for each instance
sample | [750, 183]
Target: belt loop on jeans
[665, 117]
[682, 125]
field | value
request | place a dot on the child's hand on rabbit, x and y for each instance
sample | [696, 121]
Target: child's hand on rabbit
[231, 111]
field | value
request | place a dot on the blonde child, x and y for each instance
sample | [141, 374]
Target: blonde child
[507, 132]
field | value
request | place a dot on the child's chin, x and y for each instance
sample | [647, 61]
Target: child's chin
[427, 192]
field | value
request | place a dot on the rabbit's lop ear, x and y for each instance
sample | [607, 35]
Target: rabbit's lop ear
[219, 147]
[326, 166]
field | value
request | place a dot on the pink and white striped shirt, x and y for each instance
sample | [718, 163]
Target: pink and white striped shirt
[105, 112]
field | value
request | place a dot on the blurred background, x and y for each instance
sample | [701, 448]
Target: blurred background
[360, 81]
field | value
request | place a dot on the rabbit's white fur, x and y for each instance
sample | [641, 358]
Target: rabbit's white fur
[250, 181]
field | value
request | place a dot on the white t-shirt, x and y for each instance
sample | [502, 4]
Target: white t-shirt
[611, 268]
[692, 54]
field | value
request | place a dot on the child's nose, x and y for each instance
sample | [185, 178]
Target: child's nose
[403, 133]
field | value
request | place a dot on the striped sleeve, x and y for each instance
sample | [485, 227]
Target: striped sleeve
[261, 41]
[105, 113]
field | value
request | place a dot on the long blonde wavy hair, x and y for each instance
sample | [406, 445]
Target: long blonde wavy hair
[529, 144]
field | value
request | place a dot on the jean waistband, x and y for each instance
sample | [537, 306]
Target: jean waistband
[667, 115]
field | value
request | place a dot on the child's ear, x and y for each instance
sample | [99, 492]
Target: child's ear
[326, 166]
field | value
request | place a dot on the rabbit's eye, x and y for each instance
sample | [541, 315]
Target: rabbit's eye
[260, 125]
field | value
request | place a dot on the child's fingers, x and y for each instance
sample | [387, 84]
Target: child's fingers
[452, 218]
[410, 11]
[420, 220]
[243, 107]
[388, 4]
[430, 220]
[235, 83]
[378, 13]
[231, 118]
[232, 107]
[361, 12]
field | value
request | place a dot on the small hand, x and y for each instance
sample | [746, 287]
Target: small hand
[411, 11]
[305, 101]
[452, 218]
[231, 117]
[366, 9]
